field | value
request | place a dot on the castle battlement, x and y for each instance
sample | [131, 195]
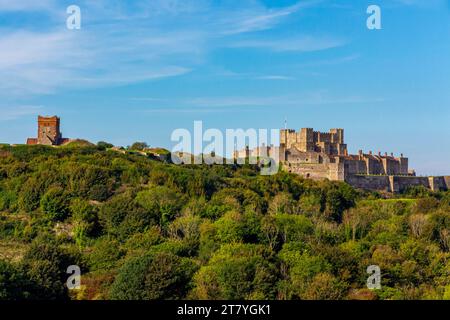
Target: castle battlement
[308, 140]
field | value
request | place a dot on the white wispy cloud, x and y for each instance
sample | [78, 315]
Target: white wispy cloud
[318, 97]
[39, 63]
[256, 19]
[300, 44]
[121, 43]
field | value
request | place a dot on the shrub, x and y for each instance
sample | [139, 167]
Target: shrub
[55, 204]
[237, 271]
[105, 254]
[162, 201]
[45, 263]
[139, 146]
[154, 276]
[85, 217]
[122, 216]
[14, 285]
[325, 286]
[30, 195]
[102, 145]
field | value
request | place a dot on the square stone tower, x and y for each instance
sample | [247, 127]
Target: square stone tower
[49, 131]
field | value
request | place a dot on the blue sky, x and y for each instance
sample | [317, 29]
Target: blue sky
[137, 70]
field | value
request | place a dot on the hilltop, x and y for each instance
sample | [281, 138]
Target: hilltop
[142, 228]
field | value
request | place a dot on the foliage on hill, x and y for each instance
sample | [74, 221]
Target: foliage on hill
[78, 143]
[143, 229]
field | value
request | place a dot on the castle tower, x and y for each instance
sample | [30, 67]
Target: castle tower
[337, 135]
[306, 139]
[288, 137]
[337, 138]
[48, 130]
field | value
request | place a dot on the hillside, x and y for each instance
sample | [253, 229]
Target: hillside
[145, 229]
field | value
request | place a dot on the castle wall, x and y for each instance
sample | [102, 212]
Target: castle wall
[322, 137]
[391, 166]
[374, 166]
[447, 182]
[282, 153]
[355, 167]
[439, 183]
[336, 171]
[317, 171]
[367, 182]
[403, 165]
[400, 183]
[298, 157]
[397, 183]
[311, 171]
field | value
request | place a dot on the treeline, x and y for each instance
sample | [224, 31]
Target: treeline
[143, 229]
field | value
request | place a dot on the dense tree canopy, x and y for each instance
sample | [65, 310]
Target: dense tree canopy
[143, 229]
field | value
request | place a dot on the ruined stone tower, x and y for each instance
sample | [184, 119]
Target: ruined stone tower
[48, 132]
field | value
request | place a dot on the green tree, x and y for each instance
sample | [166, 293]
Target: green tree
[230, 228]
[139, 146]
[105, 254]
[102, 145]
[154, 276]
[45, 263]
[237, 271]
[122, 216]
[85, 217]
[30, 195]
[325, 286]
[282, 203]
[300, 268]
[161, 201]
[89, 181]
[55, 204]
[339, 197]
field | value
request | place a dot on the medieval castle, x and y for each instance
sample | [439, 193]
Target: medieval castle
[311, 154]
[324, 155]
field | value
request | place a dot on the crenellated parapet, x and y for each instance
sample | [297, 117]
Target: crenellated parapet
[331, 143]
